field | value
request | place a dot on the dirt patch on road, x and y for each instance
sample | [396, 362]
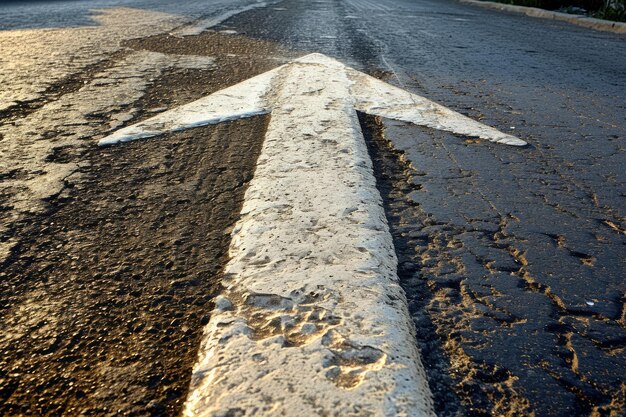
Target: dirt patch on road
[104, 298]
[237, 56]
[212, 44]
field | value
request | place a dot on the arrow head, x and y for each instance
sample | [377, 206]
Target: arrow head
[254, 96]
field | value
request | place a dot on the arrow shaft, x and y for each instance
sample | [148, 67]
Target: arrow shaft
[311, 307]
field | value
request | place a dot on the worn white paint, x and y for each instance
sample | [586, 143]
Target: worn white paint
[367, 94]
[375, 97]
[29, 148]
[242, 100]
[312, 320]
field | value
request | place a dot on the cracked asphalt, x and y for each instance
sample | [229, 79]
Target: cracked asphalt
[512, 259]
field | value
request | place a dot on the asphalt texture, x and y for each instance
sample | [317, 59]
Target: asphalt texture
[104, 298]
[512, 258]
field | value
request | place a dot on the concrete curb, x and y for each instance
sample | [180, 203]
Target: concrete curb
[588, 22]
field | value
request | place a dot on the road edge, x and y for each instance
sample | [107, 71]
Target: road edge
[588, 22]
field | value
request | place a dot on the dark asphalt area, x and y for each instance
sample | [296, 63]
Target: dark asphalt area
[512, 259]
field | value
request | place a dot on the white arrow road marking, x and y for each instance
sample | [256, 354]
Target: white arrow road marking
[312, 320]
[365, 93]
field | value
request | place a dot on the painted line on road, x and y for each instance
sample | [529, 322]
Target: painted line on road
[589, 22]
[312, 320]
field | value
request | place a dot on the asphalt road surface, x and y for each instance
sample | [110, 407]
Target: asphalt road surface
[512, 258]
